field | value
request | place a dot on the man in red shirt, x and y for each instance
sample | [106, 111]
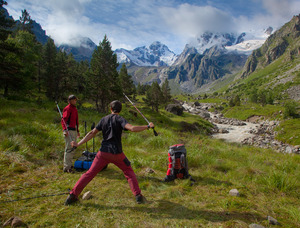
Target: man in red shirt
[70, 116]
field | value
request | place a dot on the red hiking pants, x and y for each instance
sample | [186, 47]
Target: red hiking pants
[101, 160]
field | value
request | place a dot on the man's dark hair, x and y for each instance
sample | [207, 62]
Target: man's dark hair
[116, 106]
[72, 97]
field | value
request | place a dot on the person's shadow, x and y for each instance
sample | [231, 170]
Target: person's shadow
[170, 210]
[158, 209]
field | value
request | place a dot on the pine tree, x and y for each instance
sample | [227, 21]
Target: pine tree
[139, 89]
[253, 96]
[28, 57]
[80, 72]
[26, 22]
[105, 85]
[49, 77]
[237, 100]
[153, 96]
[65, 82]
[166, 92]
[6, 24]
[9, 67]
[126, 81]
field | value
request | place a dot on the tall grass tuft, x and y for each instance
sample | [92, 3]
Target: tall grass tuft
[280, 180]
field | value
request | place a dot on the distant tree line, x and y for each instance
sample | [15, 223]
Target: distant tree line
[28, 67]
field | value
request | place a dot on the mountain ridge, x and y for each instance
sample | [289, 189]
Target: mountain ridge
[207, 59]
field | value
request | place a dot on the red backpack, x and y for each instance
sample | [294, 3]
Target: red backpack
[178, 167]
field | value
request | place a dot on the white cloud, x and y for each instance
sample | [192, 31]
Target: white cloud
[280, 11]
[281, 8]
[133, 23]
[190, 21]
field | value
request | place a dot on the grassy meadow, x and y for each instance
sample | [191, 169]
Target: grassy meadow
[31, 157]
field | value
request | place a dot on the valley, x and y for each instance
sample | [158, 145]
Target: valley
[256, 131]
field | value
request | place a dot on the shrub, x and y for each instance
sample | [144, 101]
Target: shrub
[290, 109]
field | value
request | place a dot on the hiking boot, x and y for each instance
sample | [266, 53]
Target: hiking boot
[71, 199]
[69, 170]
[168, 178]
[140, 199]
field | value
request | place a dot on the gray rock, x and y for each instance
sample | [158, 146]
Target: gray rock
[288, 150]
[272, 220]
[223, 131]
[253, 225]
[149, 170]
[87, 195]
[234, 192]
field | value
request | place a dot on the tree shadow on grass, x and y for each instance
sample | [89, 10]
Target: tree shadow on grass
[170, 210]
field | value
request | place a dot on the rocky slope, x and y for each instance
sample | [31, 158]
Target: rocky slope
[82, 48]
[284, 42]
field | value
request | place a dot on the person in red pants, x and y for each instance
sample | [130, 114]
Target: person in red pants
[110, 151]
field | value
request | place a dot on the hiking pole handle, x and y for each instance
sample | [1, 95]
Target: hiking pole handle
[155, 133]
[74, 147]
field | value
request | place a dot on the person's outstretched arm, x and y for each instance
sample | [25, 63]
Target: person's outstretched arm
[86, 138]
[138, 128]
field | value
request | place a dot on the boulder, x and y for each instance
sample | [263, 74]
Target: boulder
[176, 109]
[272, 220]
[234, 192]
[197, 104]
[87, 195]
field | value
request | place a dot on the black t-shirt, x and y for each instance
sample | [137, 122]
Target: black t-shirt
[111, 126]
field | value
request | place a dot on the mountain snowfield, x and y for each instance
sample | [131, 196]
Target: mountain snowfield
[244, 43]
[246, 47]
[158, 54]
[250, 41]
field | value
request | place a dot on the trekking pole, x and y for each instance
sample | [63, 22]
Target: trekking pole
[155, 133]
[86, 148]
[92, 127]
[74, 147]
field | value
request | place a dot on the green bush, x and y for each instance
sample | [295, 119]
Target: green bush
[290, 109]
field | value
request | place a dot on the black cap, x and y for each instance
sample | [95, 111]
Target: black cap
[72, 97]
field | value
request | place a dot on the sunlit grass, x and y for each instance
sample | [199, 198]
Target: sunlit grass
[31, 151]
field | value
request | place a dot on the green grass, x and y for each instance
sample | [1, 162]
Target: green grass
[245, 111]
[31, 146]
[289, 131]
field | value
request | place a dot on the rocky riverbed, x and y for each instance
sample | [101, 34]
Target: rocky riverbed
[254, 132]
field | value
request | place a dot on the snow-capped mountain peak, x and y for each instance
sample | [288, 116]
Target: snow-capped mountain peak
[243, 43]
[157, 54]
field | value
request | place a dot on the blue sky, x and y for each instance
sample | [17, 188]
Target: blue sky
[133, 23]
